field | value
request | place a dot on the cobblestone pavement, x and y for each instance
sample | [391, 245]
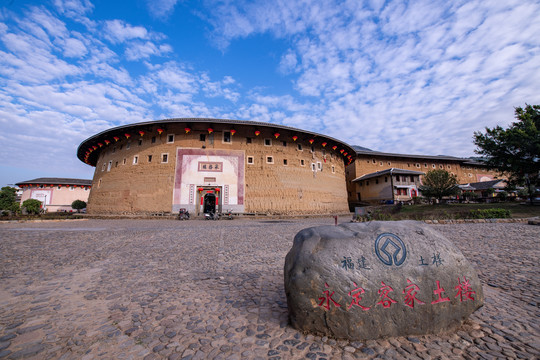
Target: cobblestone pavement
[154, 289]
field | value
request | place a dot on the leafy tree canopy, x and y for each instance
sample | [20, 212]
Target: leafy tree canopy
[438, 183]
[8, 196]
[78, 205]
[515, 151]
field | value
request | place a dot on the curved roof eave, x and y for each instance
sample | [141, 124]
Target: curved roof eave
[95, 138]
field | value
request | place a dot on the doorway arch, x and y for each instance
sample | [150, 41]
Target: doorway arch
[209, 203]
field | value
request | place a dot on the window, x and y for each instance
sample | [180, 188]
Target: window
[99, 183]
[417, 165]
[71, 188]
[285, 162]
[170, 138]
[412, 178]
[267, 142]
[284, 143]
[448, 166]
[299, 147]
[269, 160]
[302, 162]
[425, 164]
[376, 181]
[103, 167]
[359, 196]
[135, 159]
[389, 163]
[149, 158]
[164, 158]
[124, 162]
[114, 149]
[128, 145]
[109, 166]
[333, 169]
[202, 137]
[373, 161]
[250, 160]
[59, 187]
[380, 163]
[313, 167]
[367, 182]
[440, 166]
[386, 179]
[408, 165]
[433, 166]
[140, 142]
[116, 164]
[249, 140]
[313, 149]
[397, 178]
[470, 175]
[153, 139]
[319, 166]
[121, 147]
[227, 137]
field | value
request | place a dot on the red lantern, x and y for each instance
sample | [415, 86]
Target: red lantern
[210, 130]
[334, 147]
[107, 142]
[200, 189]
[187, 130]
[159, 130]
[100, 144]
[276, 135]
[323, 144]
[294, 137]
[217, 189]
[233, 132]
[345, 154]
[141, 133]
[116, 138]
[95, 147]
[127, 135]
[257, 132]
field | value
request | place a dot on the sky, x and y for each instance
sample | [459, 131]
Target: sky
[413, 77]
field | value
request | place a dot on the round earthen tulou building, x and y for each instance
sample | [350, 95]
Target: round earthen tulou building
[205, 165]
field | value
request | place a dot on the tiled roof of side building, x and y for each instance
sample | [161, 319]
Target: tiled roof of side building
[360, 151]
[57, 181]
[484, 185]
[391, 171]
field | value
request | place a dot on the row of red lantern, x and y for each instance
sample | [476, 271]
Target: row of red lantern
[202, 189]
[59, 185]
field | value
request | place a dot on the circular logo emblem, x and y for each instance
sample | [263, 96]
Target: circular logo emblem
[390, 249]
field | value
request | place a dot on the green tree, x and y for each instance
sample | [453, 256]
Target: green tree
[515, 151]
[8, 199]
[438, 183]
[78, 205]
[32, 206]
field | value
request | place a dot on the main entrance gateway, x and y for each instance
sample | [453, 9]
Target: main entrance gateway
[207, 178]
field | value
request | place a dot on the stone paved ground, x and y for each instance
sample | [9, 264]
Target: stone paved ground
[154, 289]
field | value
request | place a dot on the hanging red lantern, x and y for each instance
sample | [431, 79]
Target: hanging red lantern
[276, 135]
[116, 138]
[294, 137]
[345, 154]
[233, 132]
[95, 147]
[159, 130]
[100, 144]
[217, 189]
[187, 130]
[200, 189]
[107, 142]
[334, 147]
[141, 133]
[323, 144]
[210, 130]
[257, 132]
[127, 135]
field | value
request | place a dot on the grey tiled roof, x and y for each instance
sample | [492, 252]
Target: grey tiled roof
[57, 181]
[391, 171]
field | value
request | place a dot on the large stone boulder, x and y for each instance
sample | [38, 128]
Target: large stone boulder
[369, 280]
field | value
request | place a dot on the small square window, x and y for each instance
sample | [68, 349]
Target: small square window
[380, 163]
[448, 166]
[227, 137]
[128, 145]
[269, 160]
[386, 179]
[285, 162]
[109, 166]
[376, 181]
[149, 158]
[250, 160]
[389, 163]
[313, 149]
[153, 139]
[59, 187]
[412, 178]
[249, 140]
[140, 142]
[299, 147]
[319, 166]
[73, 188]
[202, 137]
[267, 142]
[333, 169]
[302, 162]
[284, 143]
[135, 160]
[313, 167]
[103, 167]
[170, 138]
[124, 162]
[433, 166]
[417, 165]
[116, 164]
[425, 164]
[164, 158]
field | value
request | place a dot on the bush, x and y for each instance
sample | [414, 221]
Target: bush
[495, 213]
[32, 206]
[78, 205]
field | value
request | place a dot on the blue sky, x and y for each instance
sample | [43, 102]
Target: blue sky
[416, 77]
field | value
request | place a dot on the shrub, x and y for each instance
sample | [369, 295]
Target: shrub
[495, 213]
[32, 206]
[78, 205]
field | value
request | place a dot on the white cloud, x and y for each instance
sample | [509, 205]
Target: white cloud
[161, 8]
[118, 31]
